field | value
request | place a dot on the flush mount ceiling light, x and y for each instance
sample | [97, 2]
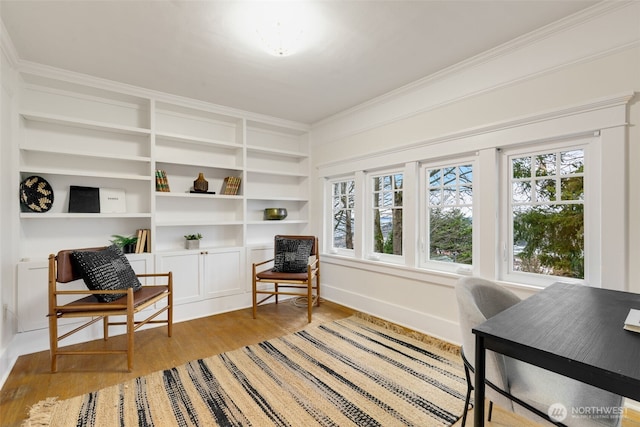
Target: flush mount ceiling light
[280, 28]
[280, 37]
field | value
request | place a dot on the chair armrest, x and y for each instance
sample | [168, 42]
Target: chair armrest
[256, 264]
[168, 275]
[90, 292]
[152, 275]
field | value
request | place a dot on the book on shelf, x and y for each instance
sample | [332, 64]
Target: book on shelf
[143, 244]
[632, 323]
[148, 241]
[162, 183]
[231, 186]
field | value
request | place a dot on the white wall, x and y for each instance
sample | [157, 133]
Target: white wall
[552, 76]
[8, 193]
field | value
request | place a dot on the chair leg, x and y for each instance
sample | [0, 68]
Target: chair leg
[309, 300]
[170, 315]
[130, 344]
[105, 328]
[254, 289]
[130, 330]
[490, 410]
[53, 341]
[468, 398]
[318, 286]
[275, 289]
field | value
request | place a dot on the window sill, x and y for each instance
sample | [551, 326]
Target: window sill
[442, 278]
[419, 274]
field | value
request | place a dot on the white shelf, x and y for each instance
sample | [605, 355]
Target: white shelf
[196, 140]
[82, 123]
[63, 215]
[89, 154]
[277, 173]
[53, 171]
[181, 223]
[185, 195]
[199, 164]
[223, 196]
[287, 153]
[278, 222]
[278, 199]
[196, 195]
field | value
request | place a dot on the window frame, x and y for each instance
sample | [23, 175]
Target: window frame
[590, 203]
[424, 228]
[369, 220]
[330, 212]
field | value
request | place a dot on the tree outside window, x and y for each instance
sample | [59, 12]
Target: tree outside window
[547, 205]
[343, 214]
[387, 213]
[450, 211]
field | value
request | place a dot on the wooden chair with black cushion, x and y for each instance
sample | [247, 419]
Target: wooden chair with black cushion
[113, 289]
[296, 265]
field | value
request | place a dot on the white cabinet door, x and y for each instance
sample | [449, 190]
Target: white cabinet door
[32, 293]
[186, 274]
[223, 272]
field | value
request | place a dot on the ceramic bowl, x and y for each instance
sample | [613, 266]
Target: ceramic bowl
[275, 213]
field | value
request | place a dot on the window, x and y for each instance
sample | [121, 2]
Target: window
[449, 214]
[387, 213]
[547, 201]
[343, 195]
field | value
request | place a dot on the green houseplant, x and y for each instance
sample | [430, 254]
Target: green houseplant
[126, 243]
[193, 240]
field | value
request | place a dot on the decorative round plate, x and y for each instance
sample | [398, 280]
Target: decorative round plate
[36, 194]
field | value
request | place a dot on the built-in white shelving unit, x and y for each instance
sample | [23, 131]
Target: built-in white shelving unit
[76, 134]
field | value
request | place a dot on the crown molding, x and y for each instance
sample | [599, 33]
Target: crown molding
[430, 92]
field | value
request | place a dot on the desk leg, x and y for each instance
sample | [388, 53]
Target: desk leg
[478, 408]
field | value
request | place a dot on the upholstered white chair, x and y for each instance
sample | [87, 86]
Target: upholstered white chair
[517, 386]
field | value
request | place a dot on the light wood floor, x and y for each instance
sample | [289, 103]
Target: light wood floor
[30, 380]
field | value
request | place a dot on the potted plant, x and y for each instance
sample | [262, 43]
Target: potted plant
[126, 243]
[193, 240]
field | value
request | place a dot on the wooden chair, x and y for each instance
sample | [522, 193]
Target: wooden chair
[62, 271]
[302, 281]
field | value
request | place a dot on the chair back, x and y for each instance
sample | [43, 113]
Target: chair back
[314, 247]
[65, 272]
[478, 300]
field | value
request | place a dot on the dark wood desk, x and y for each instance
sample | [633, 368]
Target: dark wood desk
[573, 330]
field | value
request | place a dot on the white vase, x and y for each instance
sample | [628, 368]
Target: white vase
[192, 244]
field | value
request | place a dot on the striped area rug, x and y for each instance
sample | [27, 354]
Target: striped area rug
[349, 372]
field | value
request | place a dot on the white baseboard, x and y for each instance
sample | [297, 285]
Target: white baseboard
[437, 327]
[7, 362]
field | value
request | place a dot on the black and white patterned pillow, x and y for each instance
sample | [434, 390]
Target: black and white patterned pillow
[292, 255]
[107, 269]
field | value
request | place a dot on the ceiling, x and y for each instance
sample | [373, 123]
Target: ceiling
[199, 49]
